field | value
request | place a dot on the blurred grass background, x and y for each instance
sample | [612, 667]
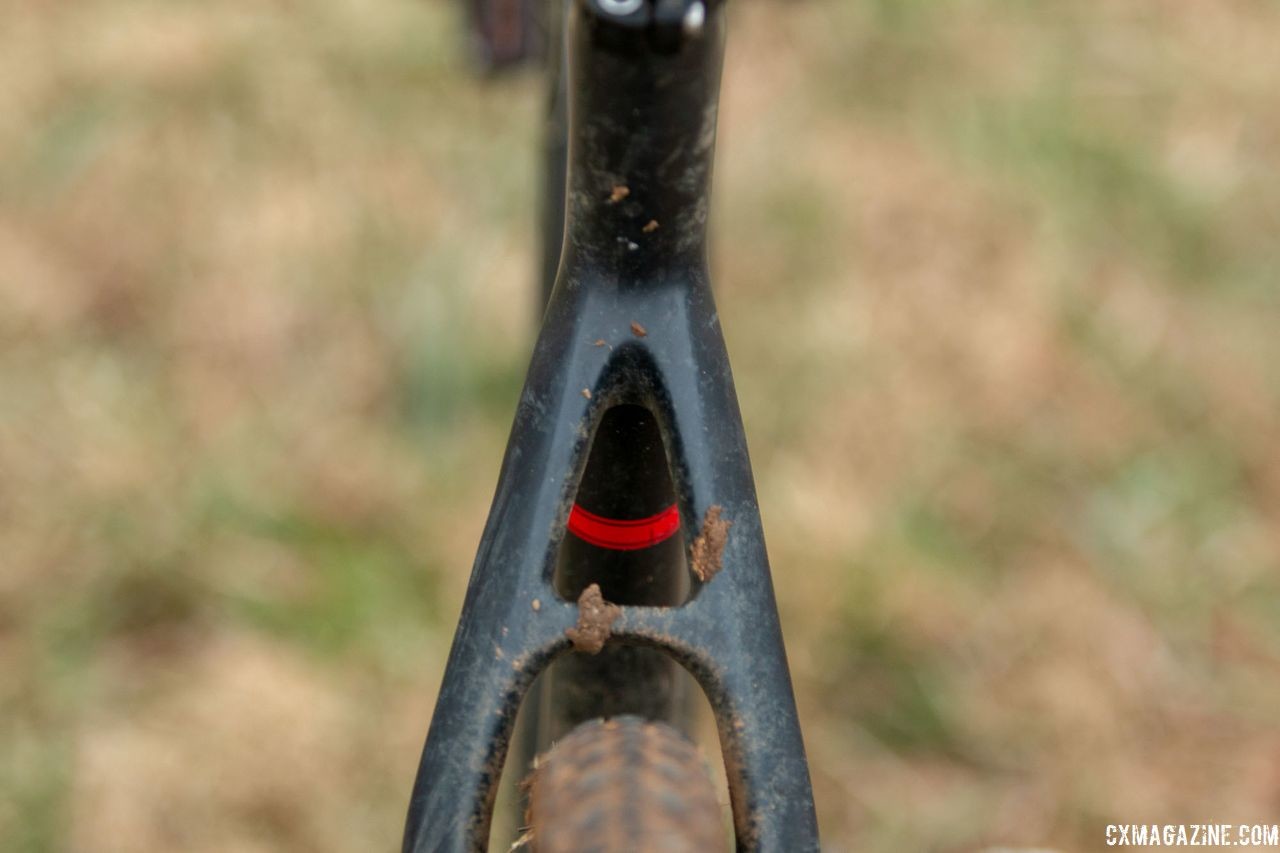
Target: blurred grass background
[999, 283]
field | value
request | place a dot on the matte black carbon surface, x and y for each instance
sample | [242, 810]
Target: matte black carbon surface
[642, 132]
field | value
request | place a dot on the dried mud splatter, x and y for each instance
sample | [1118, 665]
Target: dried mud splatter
[708, 548]
[595, 621]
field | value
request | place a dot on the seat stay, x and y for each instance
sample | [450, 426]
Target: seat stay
[630, 320]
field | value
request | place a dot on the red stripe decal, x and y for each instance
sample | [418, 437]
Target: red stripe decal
[624, 535]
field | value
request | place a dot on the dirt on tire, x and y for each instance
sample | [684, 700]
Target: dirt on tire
[623, 784]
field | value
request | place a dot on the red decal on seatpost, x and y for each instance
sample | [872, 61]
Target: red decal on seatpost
[624, 535]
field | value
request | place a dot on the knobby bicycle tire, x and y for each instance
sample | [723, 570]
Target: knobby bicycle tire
[623, 784]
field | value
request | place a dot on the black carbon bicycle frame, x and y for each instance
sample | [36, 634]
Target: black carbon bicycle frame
[631, 321]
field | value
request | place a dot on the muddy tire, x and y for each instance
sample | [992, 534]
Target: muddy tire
[623, 785]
